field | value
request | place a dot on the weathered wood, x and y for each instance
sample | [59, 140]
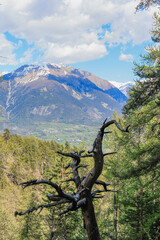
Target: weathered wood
[83, 198]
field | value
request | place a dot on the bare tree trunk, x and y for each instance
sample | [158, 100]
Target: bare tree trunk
[83, 197]
[89, 220]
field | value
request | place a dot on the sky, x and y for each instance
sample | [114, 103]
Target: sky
[103, 37]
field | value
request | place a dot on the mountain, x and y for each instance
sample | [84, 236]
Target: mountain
[126, 87]
[123, 87]
[54, 93]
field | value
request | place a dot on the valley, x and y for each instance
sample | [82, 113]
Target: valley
[58, 102]
[59, 132]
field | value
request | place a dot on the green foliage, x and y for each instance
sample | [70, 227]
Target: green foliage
[6, 134]
[22, 159]
[1, 77]
[148, 85]
[135, 174]
[135, 169]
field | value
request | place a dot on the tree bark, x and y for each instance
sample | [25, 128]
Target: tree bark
[89, 220]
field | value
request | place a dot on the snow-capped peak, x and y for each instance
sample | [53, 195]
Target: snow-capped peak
[119, 85]
[124, 87]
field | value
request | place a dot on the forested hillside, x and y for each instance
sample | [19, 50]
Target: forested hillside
[23, 159]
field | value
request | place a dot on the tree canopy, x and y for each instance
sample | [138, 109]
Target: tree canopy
[148, 73]
[135, 170]
[145, 4]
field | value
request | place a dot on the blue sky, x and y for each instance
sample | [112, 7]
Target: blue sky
[103, 37]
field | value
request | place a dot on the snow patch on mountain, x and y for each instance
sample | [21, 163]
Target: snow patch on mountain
[120, 84]
[123, 87]
[105, 105]
[88, 95]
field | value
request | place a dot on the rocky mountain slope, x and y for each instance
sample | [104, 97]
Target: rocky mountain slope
[54, 93]
[126, 87]
[123, 87]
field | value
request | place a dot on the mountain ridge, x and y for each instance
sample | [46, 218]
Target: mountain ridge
[58, 93]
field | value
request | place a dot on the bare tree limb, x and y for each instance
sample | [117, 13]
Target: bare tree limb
[69, 165]
[74, 207]
[40, 207]
[69, 180]
[107, 124]
[87, 155]
[54, 198]
[102, 196]
[83, 166]
[105, 185]
[98, 155]
[94, 193]
[75, 155]
[48, 182]
[106, 154]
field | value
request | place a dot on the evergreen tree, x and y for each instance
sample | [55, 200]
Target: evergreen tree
[136, 170]
[6, 134]
[145, 4]
[138, 160]
[148, 72]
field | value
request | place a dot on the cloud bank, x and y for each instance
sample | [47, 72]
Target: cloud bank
[69, 31]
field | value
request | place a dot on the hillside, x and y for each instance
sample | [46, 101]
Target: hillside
[50, 93]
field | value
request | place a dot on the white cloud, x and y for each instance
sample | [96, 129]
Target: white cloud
[67, 29]
[6, 52]
[71, 54]
[130, 26]
[126, 57]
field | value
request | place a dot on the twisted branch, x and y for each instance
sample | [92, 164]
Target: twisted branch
[48, 182]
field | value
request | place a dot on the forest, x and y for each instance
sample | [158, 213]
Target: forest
[130, 208]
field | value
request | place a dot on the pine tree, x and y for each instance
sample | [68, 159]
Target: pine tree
[136, 168]
[148, 72]
[137, 165]
[6, 134]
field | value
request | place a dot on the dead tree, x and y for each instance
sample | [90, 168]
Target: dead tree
[83, 198]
